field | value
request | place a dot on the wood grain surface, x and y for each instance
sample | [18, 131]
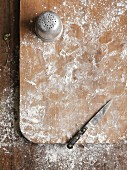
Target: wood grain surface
[65, 82]
[16, 153]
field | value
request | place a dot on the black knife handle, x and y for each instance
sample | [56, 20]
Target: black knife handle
[76, 137]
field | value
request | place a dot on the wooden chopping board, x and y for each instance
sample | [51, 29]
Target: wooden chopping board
[63, 83]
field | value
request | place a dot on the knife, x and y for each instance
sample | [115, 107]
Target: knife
[90, 123]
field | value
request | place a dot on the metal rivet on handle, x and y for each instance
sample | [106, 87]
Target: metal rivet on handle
[49, 26]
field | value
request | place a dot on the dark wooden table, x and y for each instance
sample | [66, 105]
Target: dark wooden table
[16, 153]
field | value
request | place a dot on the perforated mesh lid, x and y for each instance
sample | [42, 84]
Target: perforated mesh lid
[49, 26]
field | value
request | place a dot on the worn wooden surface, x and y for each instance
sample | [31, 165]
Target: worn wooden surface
[65, 82]
[16, 153]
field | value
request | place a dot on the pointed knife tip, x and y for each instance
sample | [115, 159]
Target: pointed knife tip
[110, 100]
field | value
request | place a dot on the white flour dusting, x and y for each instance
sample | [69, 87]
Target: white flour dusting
[83, 62]
[86, 157]
[6, 105]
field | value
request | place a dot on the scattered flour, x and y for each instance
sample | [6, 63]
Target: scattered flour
[80, 63]
[86, 157]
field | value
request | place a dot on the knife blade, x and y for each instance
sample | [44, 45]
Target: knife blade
[90, 123]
